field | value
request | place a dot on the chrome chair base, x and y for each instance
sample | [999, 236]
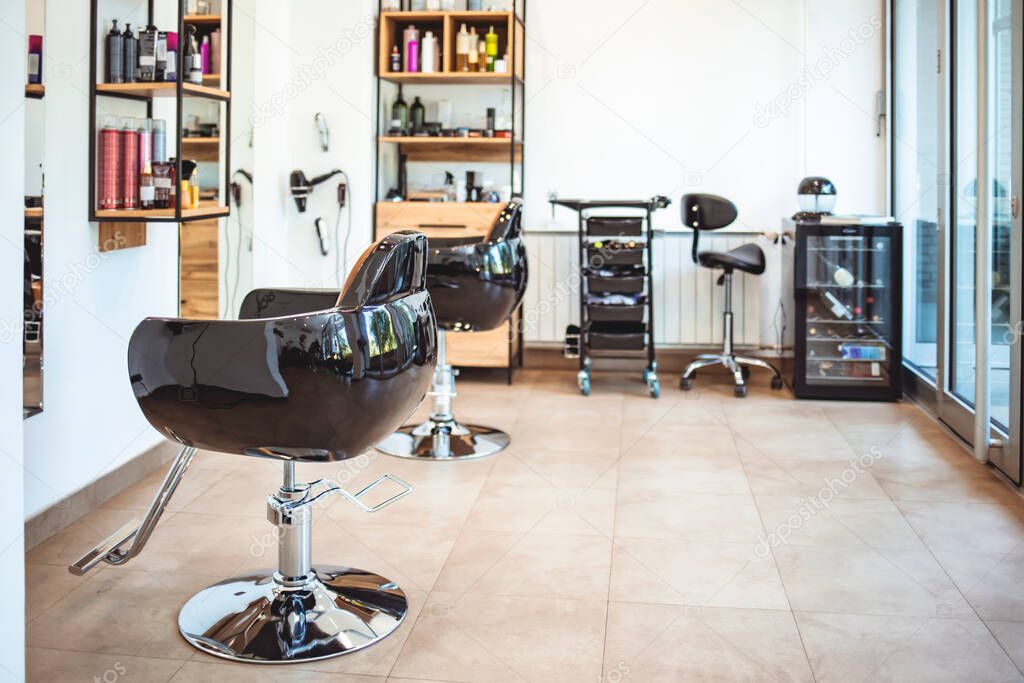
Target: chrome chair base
[258, 619]
[737, 367]
[444, 440]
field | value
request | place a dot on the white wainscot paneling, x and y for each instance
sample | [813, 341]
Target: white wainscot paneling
[687, 303]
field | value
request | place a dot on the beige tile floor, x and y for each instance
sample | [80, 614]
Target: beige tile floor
[694, 538]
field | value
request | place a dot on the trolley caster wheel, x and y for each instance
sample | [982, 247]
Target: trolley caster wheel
[745, 372]
[686, 383]
[776, 383]
[585, 387]
[741, 391]
[647, 375]
[655, 389]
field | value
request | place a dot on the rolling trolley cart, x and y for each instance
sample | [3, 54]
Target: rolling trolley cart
[616, 287]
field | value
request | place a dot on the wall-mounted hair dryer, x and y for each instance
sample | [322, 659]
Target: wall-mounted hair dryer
[302, 186]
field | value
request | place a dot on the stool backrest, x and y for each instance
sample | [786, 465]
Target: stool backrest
[706, 212]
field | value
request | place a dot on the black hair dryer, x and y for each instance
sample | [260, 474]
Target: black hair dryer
[302, 187]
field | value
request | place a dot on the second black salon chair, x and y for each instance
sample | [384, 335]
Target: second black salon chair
[306, 376]
[705, 212]
[475, 286]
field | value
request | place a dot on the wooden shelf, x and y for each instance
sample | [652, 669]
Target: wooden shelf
[209, 79]
[210, 210]
[153, 89]
[203, 19]
[35, 91]
[446, 78]
[445, 25]
[456, 149]
[35, 213]
[201, 149]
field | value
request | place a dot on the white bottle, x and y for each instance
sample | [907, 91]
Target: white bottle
[428, 51]
[433, 5]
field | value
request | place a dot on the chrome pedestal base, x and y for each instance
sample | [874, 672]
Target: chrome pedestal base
[444, 440]
[259, 620]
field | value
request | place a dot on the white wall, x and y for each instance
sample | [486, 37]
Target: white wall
[90, 423]
[737, 98]
[13, 45]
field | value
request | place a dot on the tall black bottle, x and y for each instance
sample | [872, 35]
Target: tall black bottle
[115, 55]
[131, 50]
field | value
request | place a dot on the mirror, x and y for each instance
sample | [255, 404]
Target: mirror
[32, 341]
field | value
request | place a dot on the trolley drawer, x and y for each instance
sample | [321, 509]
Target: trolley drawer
[608, 256]
[605, 226]
[622, 336]
[627, 284]
[615, 313]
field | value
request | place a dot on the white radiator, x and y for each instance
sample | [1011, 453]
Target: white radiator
[687, 303]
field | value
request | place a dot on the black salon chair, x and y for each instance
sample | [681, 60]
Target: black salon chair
[311, 377]
[475, 286]
[702, 212]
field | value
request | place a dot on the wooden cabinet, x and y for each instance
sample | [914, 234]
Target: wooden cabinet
[197, 268]
[437, 219]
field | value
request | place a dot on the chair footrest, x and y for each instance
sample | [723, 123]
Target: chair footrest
[105, 548]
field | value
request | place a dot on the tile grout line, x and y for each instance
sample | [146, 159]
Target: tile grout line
[778, 572]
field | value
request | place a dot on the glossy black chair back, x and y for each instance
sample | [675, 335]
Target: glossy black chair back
[706, 212]
[477, 286]
[309, 376]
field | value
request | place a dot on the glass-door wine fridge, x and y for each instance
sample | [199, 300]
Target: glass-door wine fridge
[848, 311]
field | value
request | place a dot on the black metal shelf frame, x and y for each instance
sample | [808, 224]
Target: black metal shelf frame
[181, 92]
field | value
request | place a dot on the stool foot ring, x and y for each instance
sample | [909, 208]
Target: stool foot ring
[256, 619]
[444, 440]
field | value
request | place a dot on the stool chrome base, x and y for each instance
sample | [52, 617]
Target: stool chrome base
[444, 440]
[256, 619]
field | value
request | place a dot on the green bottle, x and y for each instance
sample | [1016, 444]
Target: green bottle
[399, 115]
[418, 114]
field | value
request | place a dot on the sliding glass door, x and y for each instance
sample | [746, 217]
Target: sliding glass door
[916, 166]
[960, 116]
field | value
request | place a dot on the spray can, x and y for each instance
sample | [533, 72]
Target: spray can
[159, 140]
[129, 166]
[109, 173]
[145, 143]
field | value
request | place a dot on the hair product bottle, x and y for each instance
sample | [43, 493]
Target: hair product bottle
[204, 51]
[481, 59]
[129, 164]
[131, 48]
[35, 59]
[473, 53]
[462, 50]
[171, 59]
[145, 143]
[396, 60]
[147, 192]
[400, 114]
[109, 173]
[194, 58]
[147, 54]
[418, 114]
[115, 55]
[411, 42]
[429, 50]
[159, 140]
[491, 45]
